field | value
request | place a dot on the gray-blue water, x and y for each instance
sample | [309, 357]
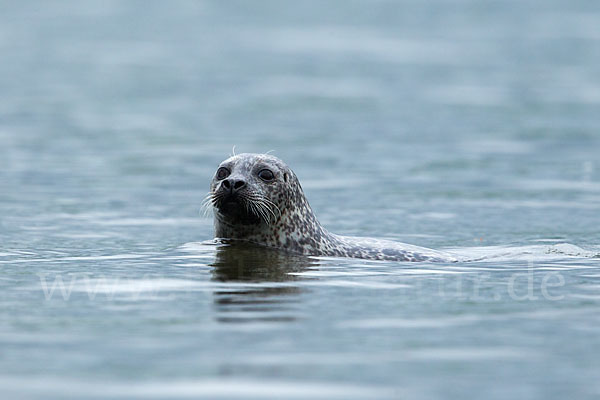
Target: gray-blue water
[470, 126]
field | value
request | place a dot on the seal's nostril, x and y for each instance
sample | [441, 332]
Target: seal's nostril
[238, 185]
[233, 184]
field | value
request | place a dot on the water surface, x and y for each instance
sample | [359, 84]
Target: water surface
[465, 126]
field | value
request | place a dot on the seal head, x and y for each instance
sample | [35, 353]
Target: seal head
[257, 198]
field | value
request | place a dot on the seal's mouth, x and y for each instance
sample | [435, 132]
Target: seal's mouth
[230, 204]
[236, 208]
[244, 207]
[228, 201]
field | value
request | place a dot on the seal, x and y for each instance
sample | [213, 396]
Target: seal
[257, 198]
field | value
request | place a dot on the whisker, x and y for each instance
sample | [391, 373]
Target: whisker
[264, 212]
[266, 205]
[261, 211]
[267, 209]
[273, 205]
[207, 204]
[270, 207]
[258, 211]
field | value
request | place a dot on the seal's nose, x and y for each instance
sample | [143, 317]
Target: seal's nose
[233, 185]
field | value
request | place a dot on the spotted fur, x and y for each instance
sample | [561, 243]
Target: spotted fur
[276, 214]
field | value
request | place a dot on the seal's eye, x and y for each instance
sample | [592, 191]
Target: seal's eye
[222, 173]
[266, 175]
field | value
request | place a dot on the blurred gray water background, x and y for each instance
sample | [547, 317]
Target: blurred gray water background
[471, 125]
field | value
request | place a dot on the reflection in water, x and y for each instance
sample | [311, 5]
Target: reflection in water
[270, 294]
